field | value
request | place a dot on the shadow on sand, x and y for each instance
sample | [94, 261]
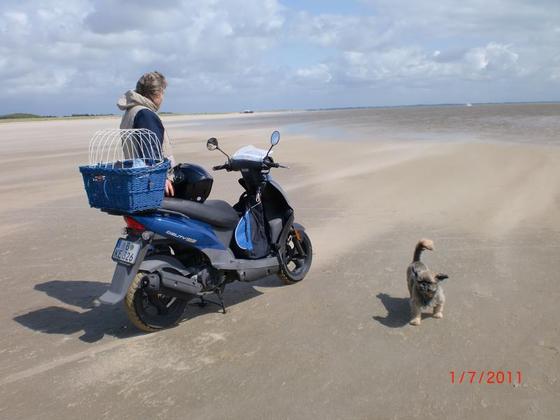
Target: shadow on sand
[398, 311]
[96, 321]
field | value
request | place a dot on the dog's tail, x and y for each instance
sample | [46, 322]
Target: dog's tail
[421, 246]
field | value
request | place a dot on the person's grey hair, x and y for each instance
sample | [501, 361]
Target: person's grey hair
[151, 83]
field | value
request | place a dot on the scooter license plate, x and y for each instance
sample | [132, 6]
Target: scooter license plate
[126, 252]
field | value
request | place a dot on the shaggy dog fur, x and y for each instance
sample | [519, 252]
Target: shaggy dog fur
[423, 285]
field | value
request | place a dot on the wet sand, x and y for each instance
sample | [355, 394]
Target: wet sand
[367, 185]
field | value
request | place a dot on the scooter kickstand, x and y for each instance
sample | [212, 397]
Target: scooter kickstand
[219, 294]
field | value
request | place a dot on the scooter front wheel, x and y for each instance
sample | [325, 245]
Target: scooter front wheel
[151, 311]
[297, 257]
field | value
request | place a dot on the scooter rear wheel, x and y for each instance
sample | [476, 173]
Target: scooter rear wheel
[295, 264]
[151, 311]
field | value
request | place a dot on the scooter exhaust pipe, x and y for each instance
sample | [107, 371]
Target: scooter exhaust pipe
[171, 284]
[181, 283]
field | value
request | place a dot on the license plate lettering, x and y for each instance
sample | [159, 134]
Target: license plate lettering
[126, 251]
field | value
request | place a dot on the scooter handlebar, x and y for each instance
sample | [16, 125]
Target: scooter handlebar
[269, 163]
[225, 166]
[236, 166]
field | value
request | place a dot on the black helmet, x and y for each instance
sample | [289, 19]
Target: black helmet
[192, 182]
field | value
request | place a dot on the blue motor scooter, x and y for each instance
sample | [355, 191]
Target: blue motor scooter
[194, 247]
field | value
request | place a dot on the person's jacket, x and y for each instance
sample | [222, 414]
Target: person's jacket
[140, 112]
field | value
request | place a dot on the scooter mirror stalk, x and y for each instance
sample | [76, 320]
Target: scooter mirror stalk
[212, 144]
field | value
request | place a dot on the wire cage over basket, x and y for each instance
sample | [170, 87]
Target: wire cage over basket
[118, 146]
[126, 172]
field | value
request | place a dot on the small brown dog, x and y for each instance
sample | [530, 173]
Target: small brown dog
[423, 285]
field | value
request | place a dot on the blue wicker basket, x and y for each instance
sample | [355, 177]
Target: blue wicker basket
[124, 188]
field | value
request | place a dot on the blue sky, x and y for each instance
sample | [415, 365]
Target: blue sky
[60, 57]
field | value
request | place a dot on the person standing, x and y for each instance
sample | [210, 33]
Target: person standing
[141, 106]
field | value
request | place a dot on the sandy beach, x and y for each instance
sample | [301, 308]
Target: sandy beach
[482, 182]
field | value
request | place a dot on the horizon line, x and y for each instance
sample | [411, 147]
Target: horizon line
[86, 115]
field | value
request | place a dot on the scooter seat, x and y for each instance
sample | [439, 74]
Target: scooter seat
[214, 212]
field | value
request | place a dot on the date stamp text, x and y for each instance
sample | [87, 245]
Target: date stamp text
[487, 377]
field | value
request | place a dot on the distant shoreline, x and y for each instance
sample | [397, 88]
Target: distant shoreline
[23, 117]
[8, 119]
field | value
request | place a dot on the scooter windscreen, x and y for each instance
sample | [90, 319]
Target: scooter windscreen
[250, 153]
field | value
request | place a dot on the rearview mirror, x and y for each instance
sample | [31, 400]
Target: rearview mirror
[212, 144]
[275, 138]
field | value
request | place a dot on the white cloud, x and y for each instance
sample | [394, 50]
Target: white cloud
[82, 46]
[224, 52]
[493, 59]
[496, 18]
[342, 32]
[316, 73]
[414, 64]
[430, 41]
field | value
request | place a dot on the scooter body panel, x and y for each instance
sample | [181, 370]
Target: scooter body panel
[183, 230]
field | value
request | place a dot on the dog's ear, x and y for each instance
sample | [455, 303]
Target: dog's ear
[441, 276]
